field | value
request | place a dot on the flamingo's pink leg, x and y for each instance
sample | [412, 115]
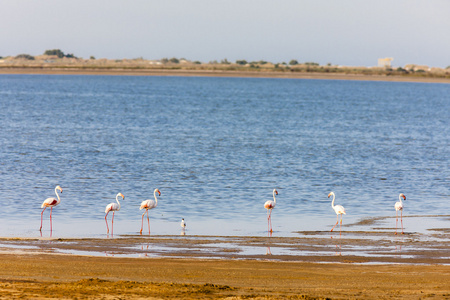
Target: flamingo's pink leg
[41, 217]
[51, 228]
[396, 221]
[337, 221]
[401, 220]
[106, 221]
[148, 220]
[112, 224]
[142, 223]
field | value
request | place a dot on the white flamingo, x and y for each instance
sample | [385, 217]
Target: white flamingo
[399, 207]
[339, 210]
[113, 207]
[50, 202]
[149, 204]
[269, 205]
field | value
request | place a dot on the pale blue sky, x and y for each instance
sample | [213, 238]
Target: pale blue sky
[344, 32]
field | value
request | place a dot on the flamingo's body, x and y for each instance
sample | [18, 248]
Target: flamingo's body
[149, 204]
[183, 224]
[269, 205]
[338, 209]
[50, 202]
[113, 207]
[399, 207]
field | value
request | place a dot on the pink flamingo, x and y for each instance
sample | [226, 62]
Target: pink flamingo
[113, 207]
[399, 207]
[50, 202]
[339, 210]
[269, 205]
[149, 204]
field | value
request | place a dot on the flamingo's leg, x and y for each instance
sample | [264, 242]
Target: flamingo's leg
[112, 224]
[51, 228]
[106, 221]
[40, 229]
[401, 220]
[340, 229]
[270, 218]
[148, 220]
[337, 221]
[142, 223]
[396, 221]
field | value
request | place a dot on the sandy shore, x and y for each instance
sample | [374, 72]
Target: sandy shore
[218, 73]
[314, 265]
[84, 277]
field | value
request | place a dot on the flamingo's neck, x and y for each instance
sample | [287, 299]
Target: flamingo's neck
[156, 199]
[332, 202]
[117, 200]
[274, 199]
[57, 195]
[400, 198]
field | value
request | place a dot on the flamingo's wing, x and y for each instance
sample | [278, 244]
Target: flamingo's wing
[49, 202]
[269, 204]
[111, 207]
[144, 204]
[339, 209]
[148, 204]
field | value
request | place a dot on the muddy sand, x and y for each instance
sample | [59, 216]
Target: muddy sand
[219, 73]
[312, 265]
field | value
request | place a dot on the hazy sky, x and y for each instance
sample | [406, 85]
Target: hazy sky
[344, 32]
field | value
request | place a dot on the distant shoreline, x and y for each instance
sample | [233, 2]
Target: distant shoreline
[217, 73]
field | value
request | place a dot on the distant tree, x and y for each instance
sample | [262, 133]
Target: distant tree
[448, 67]
[174, 60]
[25, 56]
[56, 52]
[197, 62]
[293, 62]
[59, 53]
[225, 61]
[241, 62]
[311, 64]
[164, 60]
[213, 62]
[92, 57]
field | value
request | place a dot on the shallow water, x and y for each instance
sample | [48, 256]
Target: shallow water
[216, 148]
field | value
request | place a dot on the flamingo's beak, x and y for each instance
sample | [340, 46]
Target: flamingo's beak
[159, 193]
[329, 195]
[404, 197]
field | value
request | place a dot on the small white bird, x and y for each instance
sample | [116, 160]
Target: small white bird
[183, 224]
[148, 204]
[50, 202]
[399, 207]
[339, 210]
[113, 207]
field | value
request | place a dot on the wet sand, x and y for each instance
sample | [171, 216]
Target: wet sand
[219, 73]
[314, 265]
[84, 277]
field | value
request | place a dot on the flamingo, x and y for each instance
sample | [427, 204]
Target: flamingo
[399, 207]
[338, 209]
[149, 204]
[269, 205]
[183, 224]
[50, 202]
[113, 207]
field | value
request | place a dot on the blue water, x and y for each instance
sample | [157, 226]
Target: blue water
[216, 148]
